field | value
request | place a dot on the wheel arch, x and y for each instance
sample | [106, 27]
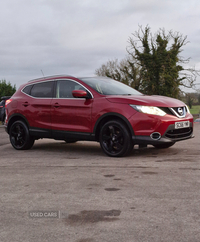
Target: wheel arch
[16, 117]
[107, 117]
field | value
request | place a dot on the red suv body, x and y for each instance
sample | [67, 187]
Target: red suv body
[94, 109]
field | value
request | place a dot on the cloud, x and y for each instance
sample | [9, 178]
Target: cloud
[76, 36]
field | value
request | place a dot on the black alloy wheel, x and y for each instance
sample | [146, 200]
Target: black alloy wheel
[19, 136]
[115, 139]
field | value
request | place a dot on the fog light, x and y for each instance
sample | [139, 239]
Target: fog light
[155, 136]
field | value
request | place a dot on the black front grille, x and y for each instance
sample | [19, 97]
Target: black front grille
[175, 111]
[179, 133]
[167, 111]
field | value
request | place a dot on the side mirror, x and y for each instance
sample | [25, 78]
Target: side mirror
[79, 94]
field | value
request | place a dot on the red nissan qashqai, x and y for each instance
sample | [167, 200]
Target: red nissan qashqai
[94, 109]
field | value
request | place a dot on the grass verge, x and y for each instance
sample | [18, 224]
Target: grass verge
[195, 109]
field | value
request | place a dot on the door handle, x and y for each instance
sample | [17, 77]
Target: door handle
[56, 105]
[25, 104]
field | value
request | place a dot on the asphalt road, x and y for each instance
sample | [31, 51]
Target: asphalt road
[74, 193]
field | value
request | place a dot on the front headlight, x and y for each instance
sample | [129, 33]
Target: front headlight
[148, 110]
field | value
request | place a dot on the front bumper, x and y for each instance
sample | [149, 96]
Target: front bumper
[171, 135]
[155, 130]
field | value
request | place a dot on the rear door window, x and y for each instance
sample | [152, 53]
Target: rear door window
[42, 90]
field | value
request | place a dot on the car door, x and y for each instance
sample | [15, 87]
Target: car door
[68, 113]
[36, 106]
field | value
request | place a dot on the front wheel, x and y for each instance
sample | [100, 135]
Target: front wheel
[20, 137]
[115, 139]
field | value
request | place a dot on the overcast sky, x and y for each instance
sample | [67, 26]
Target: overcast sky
[77, 36]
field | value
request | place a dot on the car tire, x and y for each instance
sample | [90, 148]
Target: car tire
[164, 146]
[115, 139]
[20, 137]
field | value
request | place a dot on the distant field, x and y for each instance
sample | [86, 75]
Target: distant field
[195, 109]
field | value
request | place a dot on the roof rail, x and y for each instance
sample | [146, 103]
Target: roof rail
[50, 77]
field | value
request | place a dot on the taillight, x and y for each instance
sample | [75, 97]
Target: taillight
[7, 102]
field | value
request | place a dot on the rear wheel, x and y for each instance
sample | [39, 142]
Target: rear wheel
[20, 137]
[164, 146]
[115, 139]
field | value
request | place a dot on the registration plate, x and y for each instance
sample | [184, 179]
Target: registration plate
[181, 125]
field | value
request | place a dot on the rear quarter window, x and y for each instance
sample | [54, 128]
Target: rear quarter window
[27, 89]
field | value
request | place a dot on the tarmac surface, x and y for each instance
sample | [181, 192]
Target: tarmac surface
[73, 192]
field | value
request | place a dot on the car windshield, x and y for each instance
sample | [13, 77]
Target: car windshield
[108, 86]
